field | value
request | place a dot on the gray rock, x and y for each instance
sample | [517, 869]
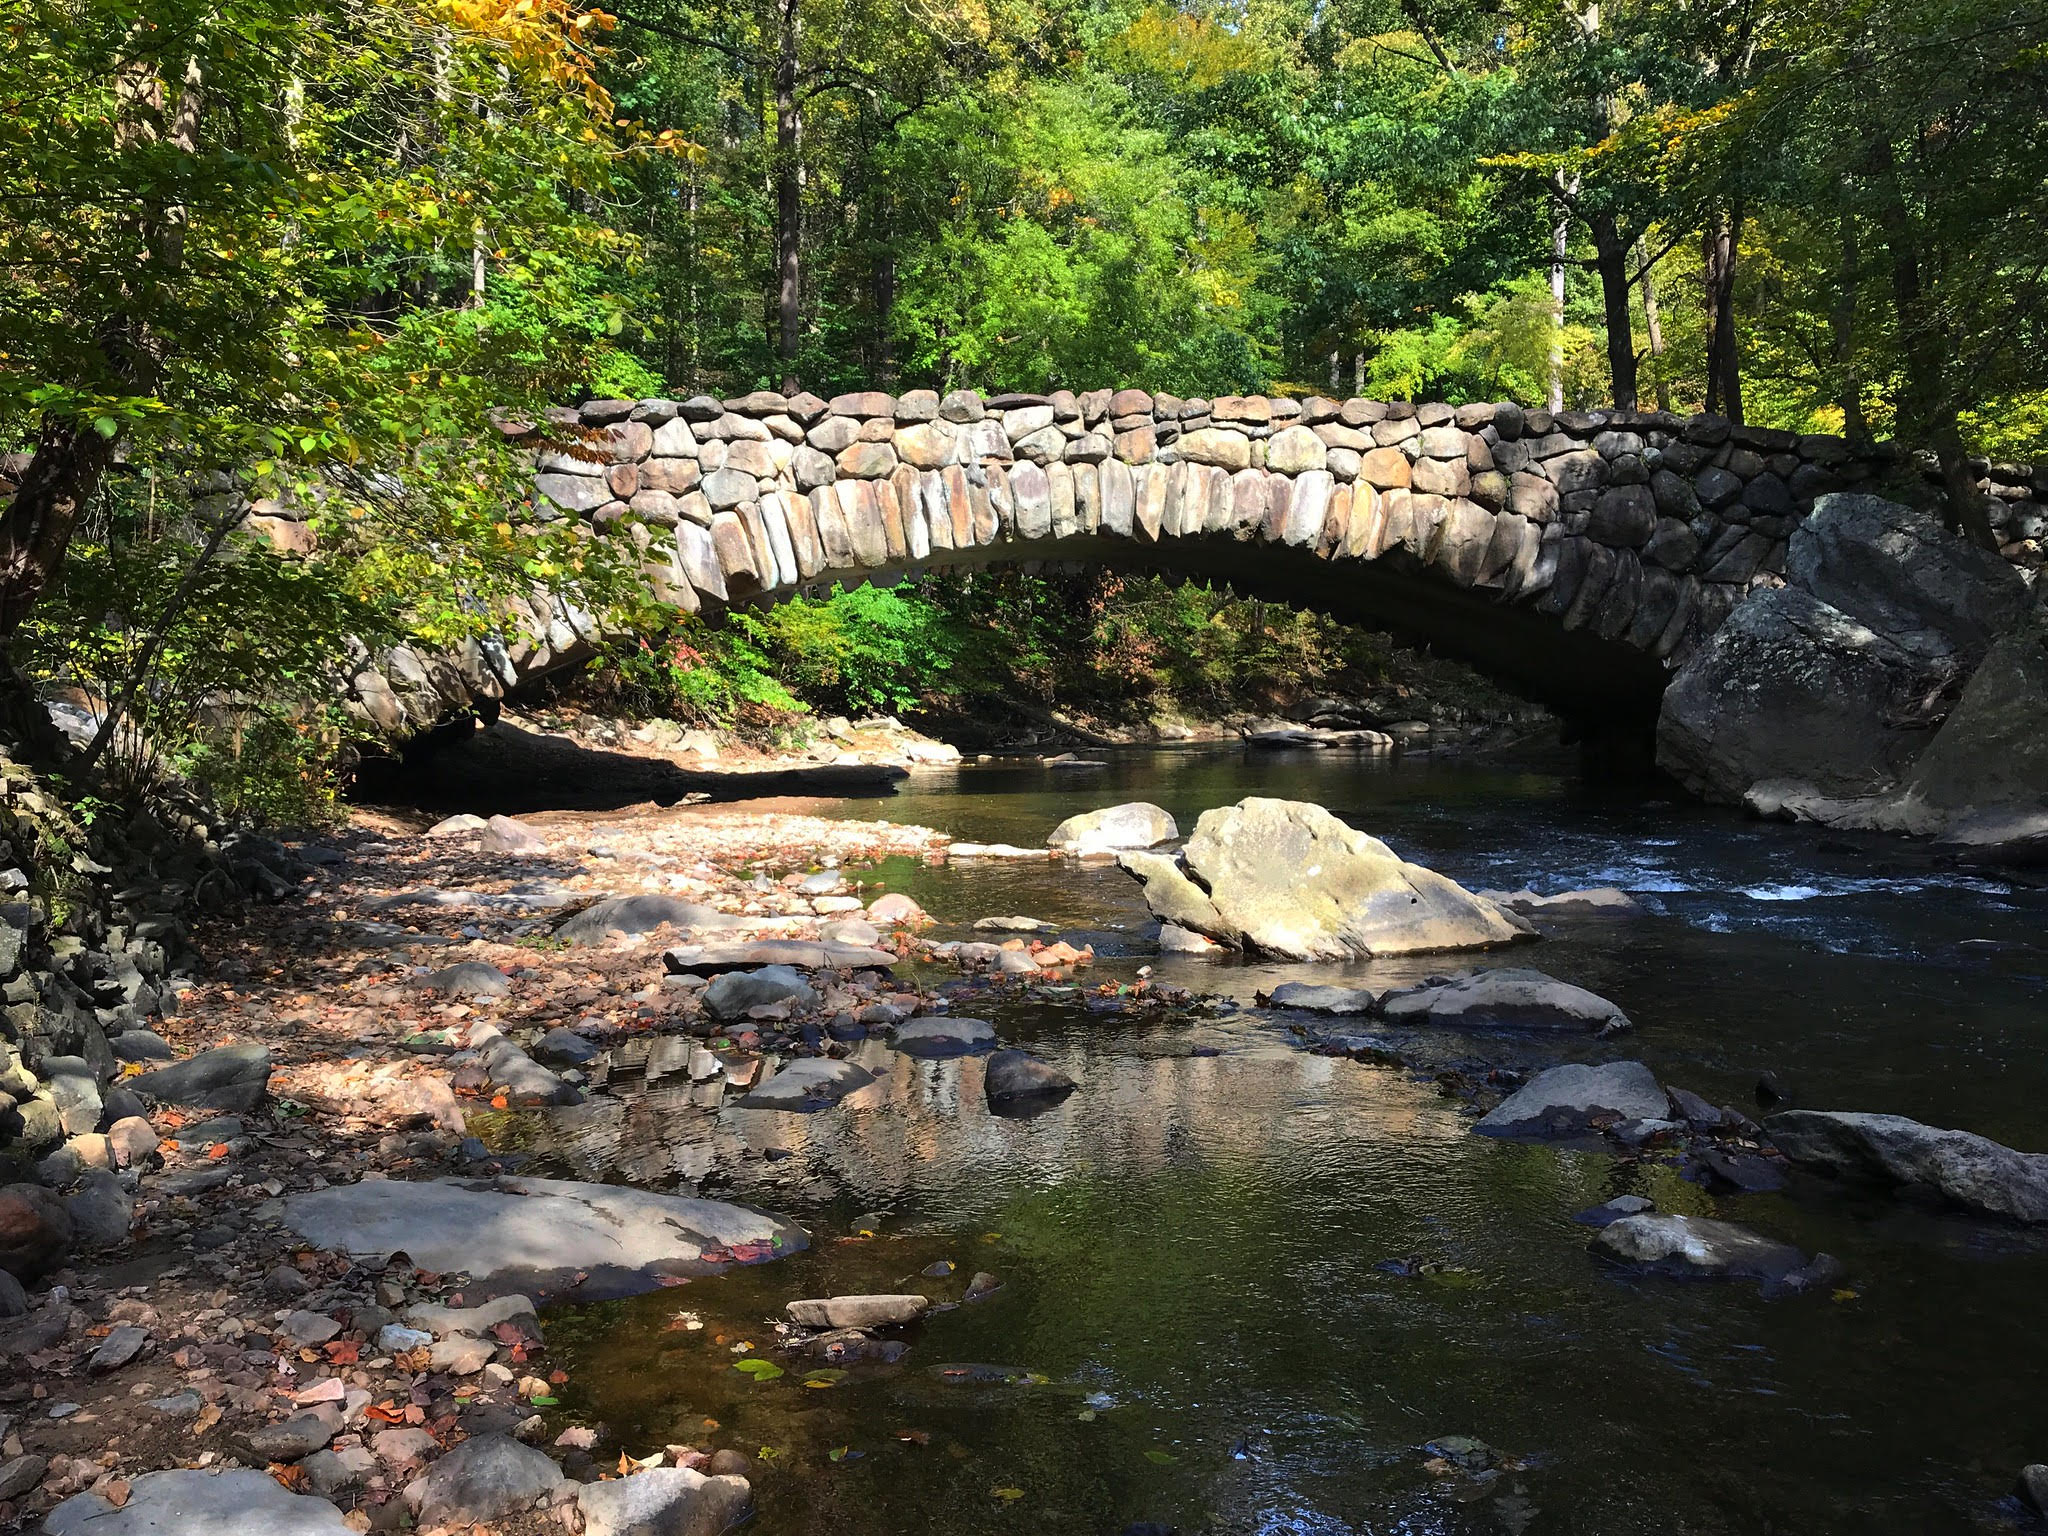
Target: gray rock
[1969, 1172]
[1984, 777]
[230, 1077]
[142, 1045]
[1605, 1215]
[536, 1230]
[1696, 1247]
[297, 1437]
[1017, 1074]
[809, 1083]
[1791, 688]
[329, 1472]
[241, 1502]
[563, 1047]
[469, 978]
[1597, 901]
[119, 1347]
[21, 1475]
[858, 1311]
[504, 835]
[13, 1298]
[75, 1089]
[484, 1479]
[1136, 824]
[939, 1034]
[1176, 940]
[1290, 879]
[457, 825]
[665, 1501]
[1321, 999]
[1507, 999]
[102, 1210]
[1898, 572]
[1573, 1099]
[637, 915]
[732, 993]
[2032, 1488]
[711, 959]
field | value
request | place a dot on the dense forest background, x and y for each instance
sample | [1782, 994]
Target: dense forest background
[304, 253]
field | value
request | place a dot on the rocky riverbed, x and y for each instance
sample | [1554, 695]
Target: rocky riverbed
[509, 1180]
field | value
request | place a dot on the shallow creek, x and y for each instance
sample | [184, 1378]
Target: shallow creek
[1193, 1319]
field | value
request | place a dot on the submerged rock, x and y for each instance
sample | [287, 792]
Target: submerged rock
[1289, 879]
[1605, 1215]
[1137, 824]
[1575, 1098]
[1596, 901]
[940, 1034]
[240, 1502]
[1320, 999]
[810, 1083]
[1507, 999]
[506, 1229]
[1972, 1173]
[1015, 1074]
[858, 1311]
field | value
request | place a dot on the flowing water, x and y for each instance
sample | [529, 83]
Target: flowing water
[1195, 1328]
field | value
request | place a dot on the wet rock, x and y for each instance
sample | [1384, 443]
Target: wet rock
[1320, 999]
[797, 954]
[807, 1084]
[1734, 1172]
[504, 835]
[1290, 879]
[1176, 940]
[732, 993]
[1575, 1098]
[1972, 1173]
[1015, 1074]
[240, 1502]
[943, 1035]
[633, 915]
[982, 1284]
[35, 1230]
[1597, 901]
[2032, 1488]
[1696, 1247]
[486, 1478]
[858, 1311]
[664, 1501]
[1507, 999]
[297, 1437]
[1614, 1210]
[230, 1077]
[896, 910]
[1136, 824]
[469, 978]
[563, 1047]
[506, 1227]
[1013, 924]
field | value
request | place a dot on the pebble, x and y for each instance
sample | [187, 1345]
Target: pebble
[117, 1349]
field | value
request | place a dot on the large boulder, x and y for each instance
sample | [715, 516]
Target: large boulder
[1015, 1074]
[1114, 830]
[1970, 1172]
[664, 1501]
[230, 1078]
[1575, 1098]
[508, 1232]
[36, 1230]
[485, 1479]
[1289, 879]
[1791, 688]
[241, 1502]
[1507, 999]
[1897, 571]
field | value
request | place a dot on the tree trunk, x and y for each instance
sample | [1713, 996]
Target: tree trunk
[883, 284]
[1560, 248]
[788, 197]
[1653, 328]
[1842, 329]
[1336, 369]
[1610, 260]
[1724, 365]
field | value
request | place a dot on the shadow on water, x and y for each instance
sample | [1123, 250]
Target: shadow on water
[1190, 1246]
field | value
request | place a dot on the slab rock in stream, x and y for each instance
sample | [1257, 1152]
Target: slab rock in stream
[241, 1502]
[512, 1233]
[1114, 829]
[1696, 1247]
[1972, 1173]
[807, 1084]
[1507, 999]
[1289, 879]
[1574, 1099]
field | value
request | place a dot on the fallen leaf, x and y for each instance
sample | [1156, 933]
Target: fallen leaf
[1161, 1458]
[1007, 1495]
[759, 1369]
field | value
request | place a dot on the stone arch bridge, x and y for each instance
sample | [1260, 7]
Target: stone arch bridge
[1578, 557]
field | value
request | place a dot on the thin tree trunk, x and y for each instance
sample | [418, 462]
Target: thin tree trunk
[1654, 330]
[1336, 369]
[1842, 328]
[883, 284]
[1560, 248]
[788, 196]
[1610, 260]
[1724, 363]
